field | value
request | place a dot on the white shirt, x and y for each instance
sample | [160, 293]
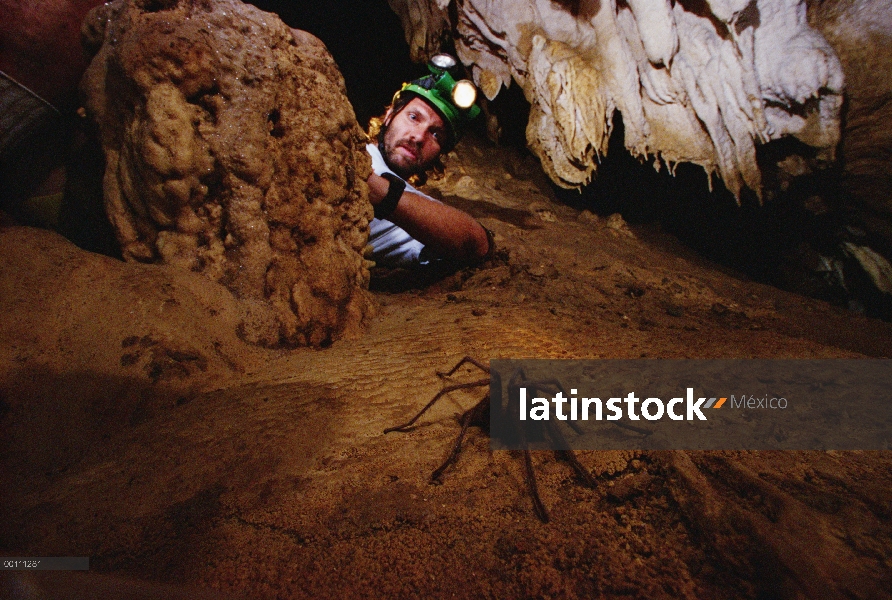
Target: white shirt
[391, 245]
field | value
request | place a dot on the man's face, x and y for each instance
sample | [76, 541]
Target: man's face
[413, 137]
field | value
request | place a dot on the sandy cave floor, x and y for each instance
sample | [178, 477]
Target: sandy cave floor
[192, 461]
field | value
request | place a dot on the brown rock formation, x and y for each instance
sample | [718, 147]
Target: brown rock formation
[231, 150]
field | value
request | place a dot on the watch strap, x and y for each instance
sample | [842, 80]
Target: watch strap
[387, 206]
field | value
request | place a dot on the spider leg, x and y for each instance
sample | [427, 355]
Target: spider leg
[583, 473]
[465, 360]
[529, 473]
[471, 415]
[540, 386]
[517, 378]
[561, 442]
[559, 439]
[445, 390]
[538, 506]
[547, 386]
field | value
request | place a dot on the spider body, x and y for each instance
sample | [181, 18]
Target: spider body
[479, 415]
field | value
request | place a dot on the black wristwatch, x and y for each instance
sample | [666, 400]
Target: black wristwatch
[388, 204]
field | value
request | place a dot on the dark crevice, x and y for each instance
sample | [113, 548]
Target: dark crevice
[374, 73]
[153, 6]
[795, 239]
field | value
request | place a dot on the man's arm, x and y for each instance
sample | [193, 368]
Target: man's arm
[447, 231]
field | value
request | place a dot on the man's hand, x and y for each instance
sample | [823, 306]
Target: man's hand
[447, 231]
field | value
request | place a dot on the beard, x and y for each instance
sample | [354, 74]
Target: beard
[404, 157]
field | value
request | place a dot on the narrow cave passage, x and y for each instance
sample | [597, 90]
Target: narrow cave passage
[793, 239]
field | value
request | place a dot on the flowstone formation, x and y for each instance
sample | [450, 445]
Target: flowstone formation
[695, 81]
[232, 150]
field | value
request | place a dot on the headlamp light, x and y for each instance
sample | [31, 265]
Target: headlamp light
[443, 62]
[464, 94]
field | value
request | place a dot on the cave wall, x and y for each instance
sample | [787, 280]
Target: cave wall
[860, 32]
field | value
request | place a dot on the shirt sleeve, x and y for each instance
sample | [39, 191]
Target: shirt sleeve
[391, 245]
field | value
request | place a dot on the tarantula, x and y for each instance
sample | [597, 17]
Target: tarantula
[479, 415]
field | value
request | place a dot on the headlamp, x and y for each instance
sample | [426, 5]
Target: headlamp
[464, 94]
[454, 100]
[444, 62]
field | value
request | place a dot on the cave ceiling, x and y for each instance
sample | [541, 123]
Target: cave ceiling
[699, 81]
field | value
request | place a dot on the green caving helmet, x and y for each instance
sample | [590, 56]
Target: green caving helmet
[454, 100]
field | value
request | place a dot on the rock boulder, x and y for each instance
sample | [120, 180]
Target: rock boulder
[231, 150]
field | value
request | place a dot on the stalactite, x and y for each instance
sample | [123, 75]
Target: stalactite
[695, 81]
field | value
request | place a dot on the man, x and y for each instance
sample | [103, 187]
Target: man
[424, 121]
